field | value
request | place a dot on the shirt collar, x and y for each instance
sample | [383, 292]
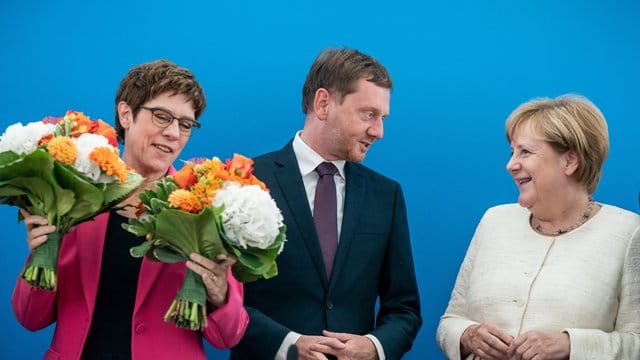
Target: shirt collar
[309, 159]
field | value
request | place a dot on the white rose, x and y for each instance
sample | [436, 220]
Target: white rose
[24, 139]
[251, 217]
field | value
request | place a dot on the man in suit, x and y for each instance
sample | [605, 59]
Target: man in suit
[332, 273]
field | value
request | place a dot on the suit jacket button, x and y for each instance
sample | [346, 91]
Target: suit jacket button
[139, 329]
[329, 305]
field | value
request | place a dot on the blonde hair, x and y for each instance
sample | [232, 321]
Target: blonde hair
[568, 123]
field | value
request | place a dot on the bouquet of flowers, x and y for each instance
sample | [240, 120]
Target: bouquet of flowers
[66, 169]
[210, 208]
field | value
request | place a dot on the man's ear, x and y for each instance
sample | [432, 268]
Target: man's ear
[572, 162]
[125, 115]
[321, 103]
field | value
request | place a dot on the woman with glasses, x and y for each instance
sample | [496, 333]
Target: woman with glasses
[109, 305]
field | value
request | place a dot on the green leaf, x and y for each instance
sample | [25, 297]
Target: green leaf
[15, 196]
[250, 260]
[161, 191]
[65, 201]
[88, 198]
[255, 263]
[37, 164]
[167, 256]
[146, 196]
[46, 196]
[7, 157]
[190, 233]
[273, 271]
[38, 191]
[135, 227]
[140, 250]
[8, 190]
[158, 205]
[116, 192]
[244, 275]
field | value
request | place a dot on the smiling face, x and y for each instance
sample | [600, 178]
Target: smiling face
[540, 172]
[149, 149]
[354, 122]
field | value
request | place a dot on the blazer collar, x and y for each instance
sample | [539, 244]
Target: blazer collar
[90, 255]
[149, 272]
[353, 206]
[291, 189]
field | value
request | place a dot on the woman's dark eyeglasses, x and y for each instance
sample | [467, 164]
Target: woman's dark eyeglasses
[162, 119]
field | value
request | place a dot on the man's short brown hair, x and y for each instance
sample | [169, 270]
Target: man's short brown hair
[338, 71]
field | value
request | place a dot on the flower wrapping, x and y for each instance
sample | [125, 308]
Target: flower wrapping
[210, 208]
[66, 169]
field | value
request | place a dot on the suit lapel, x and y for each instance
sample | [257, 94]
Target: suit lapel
[353, 205]
[149, 271]
[90, 255]
[291, 190]
[90, 262]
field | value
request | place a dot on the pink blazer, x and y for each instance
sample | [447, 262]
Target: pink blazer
[72, 305]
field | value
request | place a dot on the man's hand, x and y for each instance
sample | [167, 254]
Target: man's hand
[305, 344]
[346, 346]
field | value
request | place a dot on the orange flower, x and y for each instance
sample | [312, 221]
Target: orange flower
[185, 201]
[254, 181]
[139, 209]
[238, 169]
[63, 150]
[205, 191]
[102, 128]
[186, 177]
[109, 162]
[80, 123]
[210, 167]
[240, 166]
[45, 139]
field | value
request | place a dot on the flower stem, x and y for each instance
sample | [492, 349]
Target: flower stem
[188, 308]
[40, 271]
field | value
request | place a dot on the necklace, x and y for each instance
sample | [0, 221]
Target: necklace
[535, 223]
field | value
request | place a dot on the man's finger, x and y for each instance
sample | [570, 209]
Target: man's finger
[329, 345]
[318, 356]
[340, 336]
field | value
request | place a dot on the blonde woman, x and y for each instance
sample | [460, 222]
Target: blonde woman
[556, 276]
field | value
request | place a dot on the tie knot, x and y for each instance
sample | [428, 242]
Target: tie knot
[326, 168]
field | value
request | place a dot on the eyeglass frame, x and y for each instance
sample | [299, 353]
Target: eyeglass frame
[194, 123]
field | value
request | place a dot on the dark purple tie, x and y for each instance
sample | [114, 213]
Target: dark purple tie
[325, 214]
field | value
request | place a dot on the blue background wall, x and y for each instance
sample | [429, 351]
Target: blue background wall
[459, 69]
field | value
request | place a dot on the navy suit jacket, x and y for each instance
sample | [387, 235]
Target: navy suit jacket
[373, 262]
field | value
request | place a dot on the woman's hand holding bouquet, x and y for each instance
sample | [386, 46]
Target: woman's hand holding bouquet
[218, 210]
[65, 169]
